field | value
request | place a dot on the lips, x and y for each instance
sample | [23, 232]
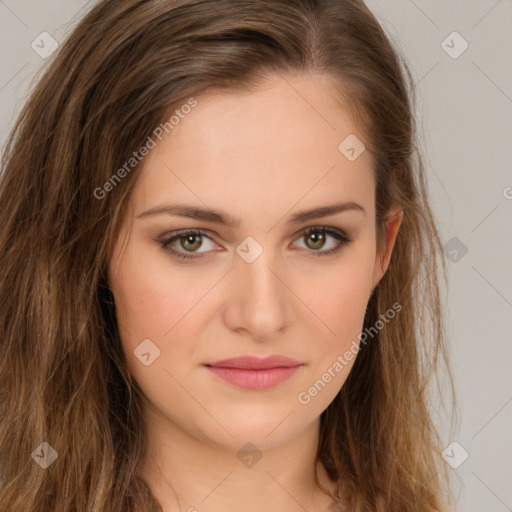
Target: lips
[254, 373]
[256, 363]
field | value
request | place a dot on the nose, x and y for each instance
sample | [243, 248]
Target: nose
[260, 301]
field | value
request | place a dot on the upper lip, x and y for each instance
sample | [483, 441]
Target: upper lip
[256, 363]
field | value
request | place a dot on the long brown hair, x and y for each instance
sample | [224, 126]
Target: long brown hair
[64, 379]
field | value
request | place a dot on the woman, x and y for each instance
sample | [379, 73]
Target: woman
[219, 285]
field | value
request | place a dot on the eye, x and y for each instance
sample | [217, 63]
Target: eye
[315, 239]
[189, 240]
[185, 244]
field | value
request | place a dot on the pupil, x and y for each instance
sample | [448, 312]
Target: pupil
[318, 237]
[190, 239]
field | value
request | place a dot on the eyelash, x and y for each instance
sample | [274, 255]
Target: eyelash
[342, 238]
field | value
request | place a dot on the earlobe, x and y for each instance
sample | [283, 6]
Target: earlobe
[383, 256]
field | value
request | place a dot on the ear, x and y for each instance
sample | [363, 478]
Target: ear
[383, 255]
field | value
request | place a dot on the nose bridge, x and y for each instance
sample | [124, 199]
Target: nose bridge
[259, 278]
[261, 299]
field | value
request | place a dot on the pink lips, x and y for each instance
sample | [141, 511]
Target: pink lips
[253, 372]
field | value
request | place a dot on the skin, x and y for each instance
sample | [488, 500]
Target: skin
[260, 157]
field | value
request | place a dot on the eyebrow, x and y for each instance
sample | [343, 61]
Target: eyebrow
[218, 217]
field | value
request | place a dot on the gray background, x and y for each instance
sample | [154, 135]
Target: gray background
[465, 114]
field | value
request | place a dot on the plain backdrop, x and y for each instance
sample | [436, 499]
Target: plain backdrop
[457, 51]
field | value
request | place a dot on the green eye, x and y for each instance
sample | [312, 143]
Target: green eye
[184, 244]
[319, 235]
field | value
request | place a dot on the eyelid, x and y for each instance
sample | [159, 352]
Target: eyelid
[339, 234]
[176, 235]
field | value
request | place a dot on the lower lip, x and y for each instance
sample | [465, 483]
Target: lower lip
[254, 379]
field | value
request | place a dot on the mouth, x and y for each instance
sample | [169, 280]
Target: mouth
[249, 372]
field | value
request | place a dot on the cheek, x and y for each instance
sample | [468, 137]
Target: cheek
[150, 300]
[341, 307]
[343, 303]
[340, 297]
[150, 306]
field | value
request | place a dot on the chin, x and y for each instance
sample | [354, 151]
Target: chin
[265, 432]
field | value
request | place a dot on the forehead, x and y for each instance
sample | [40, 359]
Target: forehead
[268, 148]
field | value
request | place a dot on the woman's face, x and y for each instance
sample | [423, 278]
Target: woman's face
[257, 288]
